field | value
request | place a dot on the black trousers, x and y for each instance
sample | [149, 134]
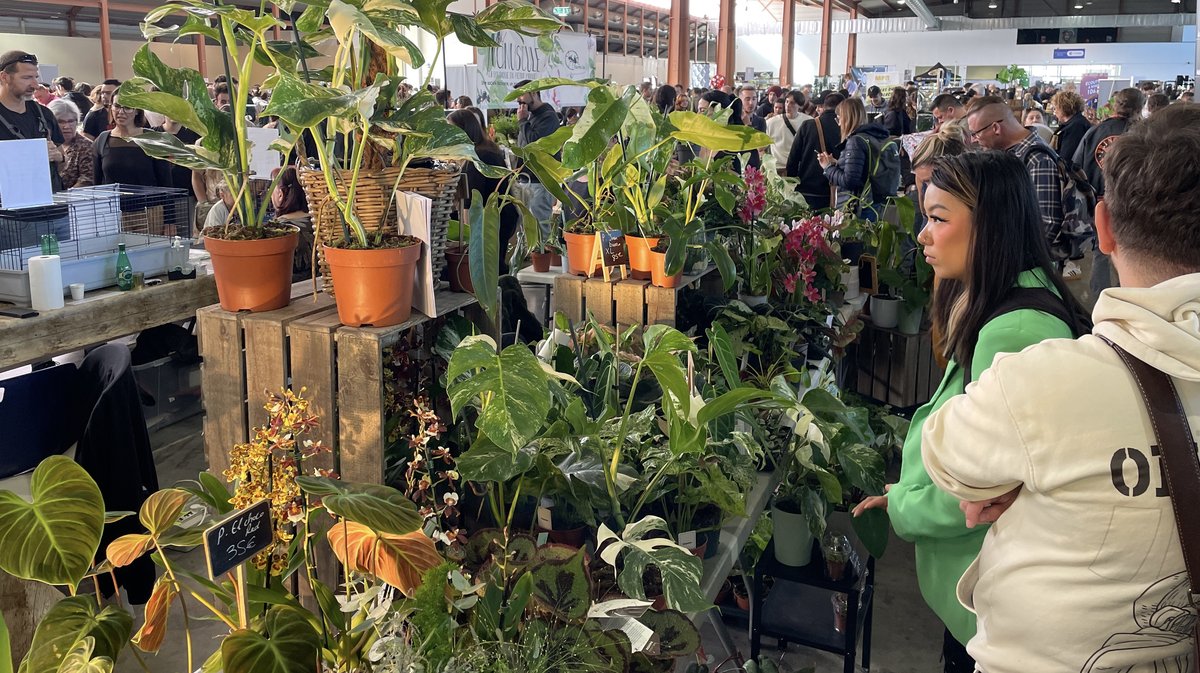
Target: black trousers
[955, 657]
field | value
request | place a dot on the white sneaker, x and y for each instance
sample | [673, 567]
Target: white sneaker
[1071, 271]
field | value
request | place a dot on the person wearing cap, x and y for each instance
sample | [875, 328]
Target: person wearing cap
[20, 117]
[767, 106]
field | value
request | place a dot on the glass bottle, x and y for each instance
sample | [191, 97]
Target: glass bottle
[124, 269]
[49, 244]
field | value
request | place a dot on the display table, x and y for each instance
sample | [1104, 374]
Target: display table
[99, 317]
[303, 345]
[617, 301]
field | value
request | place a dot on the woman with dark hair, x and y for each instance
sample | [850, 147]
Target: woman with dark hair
[117, 159]
[985, 234]
[490, 153]
[291, 207]
[896, 119]
[664, 99]
[868, 169]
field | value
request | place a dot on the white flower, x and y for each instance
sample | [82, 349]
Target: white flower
[450, 498]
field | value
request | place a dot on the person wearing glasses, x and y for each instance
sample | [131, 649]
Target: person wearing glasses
[991, 125]
[20, 117]
[118, 159]
[100, 118]
[76, 167]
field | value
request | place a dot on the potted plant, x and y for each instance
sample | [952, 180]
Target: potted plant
[252, 257]
[372, 266]
[658, 266]
[836, 550]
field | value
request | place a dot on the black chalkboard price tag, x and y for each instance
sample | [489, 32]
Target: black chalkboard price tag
[233, 541]
[612, 245]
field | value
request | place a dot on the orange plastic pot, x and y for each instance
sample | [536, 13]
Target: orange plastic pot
[579, 253]
[373, 287]
[541, 261]
[253, 275]
[639, 255]
[658, 273]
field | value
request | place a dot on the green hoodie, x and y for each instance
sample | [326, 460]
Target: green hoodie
[930, 518]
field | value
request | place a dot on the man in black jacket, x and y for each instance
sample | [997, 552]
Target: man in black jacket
[537, 120]
[802, 160]
[20, 117]
[1127, 105]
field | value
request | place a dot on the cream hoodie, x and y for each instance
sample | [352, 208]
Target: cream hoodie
[1084, 572]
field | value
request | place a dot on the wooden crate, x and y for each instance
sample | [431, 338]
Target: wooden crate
[894, 368]
[627, 302]
[247, 355]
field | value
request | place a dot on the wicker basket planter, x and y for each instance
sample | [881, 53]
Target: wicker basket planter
[372, 199]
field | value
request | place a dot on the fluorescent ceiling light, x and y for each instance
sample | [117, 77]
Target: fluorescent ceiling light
[992, 4]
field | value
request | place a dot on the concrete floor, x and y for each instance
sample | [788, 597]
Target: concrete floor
[907, 637]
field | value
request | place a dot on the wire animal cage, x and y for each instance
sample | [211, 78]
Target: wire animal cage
[89, 224]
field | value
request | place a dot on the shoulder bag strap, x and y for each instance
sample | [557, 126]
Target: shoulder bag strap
[821, 140]
[1181, 465]
[788, 123]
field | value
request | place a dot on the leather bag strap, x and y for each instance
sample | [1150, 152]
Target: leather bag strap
[1180, 463]
[821, 141]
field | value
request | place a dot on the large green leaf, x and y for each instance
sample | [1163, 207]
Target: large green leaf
[468, 31]
[677, 635]
[701, 130]
[549, 83]
[872, 529]
[562, 586]
[487, 462]
[518, 16]
[168, 146]
[346, 20]
[79, 659]
[729, 402]
[549, 171]
[380, 508]
[303, 105]
[722, 348]
[5, 648]
[512, 388]
[602, 118]
[864, 468]
[70, 621]
[172, 106]
[215, 127]
[287, 644]
[485, 252]
[434, 17]
[192, 25]
[634, 552]
[54, 537]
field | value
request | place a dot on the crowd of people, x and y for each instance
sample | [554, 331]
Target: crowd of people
[1043, 535]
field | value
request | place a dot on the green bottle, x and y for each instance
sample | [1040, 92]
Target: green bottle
[49, 244]
[124, 269]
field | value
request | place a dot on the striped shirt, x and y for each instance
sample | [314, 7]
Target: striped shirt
[1046, 182]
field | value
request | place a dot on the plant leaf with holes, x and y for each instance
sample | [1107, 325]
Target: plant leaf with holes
[634, 552]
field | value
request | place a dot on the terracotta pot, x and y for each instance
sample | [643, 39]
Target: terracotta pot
[253, 275]
[373, 287]
[458, 265]
[639, 255]
[700, 550]
[579, 253]
[556, 259]
[658, 273]
[743, 602]
[541, 261]
[724, 593]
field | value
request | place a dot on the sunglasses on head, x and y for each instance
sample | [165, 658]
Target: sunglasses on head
[27, 58]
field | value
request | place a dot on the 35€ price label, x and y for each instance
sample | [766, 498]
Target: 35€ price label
[237, 538]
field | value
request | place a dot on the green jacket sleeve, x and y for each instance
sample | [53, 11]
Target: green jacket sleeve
[916, 506]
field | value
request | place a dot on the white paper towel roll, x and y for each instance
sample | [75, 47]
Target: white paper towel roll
[45, 282]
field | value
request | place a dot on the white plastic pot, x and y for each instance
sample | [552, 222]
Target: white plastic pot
[910, 321]
[793, 540]
[885, 311]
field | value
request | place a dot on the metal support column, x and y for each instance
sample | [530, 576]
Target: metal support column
[826, 37]
[852, 42]
[789, 43]
[679, 63]
[105, 41]
[727, 41]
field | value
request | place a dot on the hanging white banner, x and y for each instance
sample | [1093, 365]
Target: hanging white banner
[520, 57]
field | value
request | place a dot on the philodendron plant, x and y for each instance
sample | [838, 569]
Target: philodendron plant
[624, 148]
[182, 95]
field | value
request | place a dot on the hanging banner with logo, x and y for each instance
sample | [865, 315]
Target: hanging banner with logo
[520, 57]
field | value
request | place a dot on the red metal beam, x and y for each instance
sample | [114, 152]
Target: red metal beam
[789, 42]
[105, 41]
[727, 41]
[679, 64]
[826, 37]
[852, 44]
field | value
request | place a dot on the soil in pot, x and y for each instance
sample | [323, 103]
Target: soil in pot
[458, 268]
[541, 261]
[639, 255]
[579, 253]
[658, 271]
[253, 274]
[374, 286]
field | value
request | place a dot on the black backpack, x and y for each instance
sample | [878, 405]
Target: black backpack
[883, 170]
[1038, 299]
[1078, 206]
